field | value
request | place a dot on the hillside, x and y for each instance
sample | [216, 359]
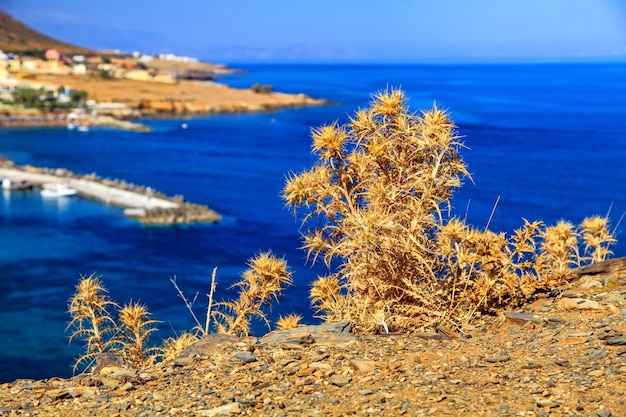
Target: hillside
[17, 37]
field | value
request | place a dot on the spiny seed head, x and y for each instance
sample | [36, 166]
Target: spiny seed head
[90, 290]
[326, 287]
[595, 225]
[362, 124]
[559, 237]
[290, 321]
[267, 264]
[329, 140]
[135, 315]
[297, 189]
[389, 102]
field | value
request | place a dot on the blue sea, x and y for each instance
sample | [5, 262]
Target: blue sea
[547, 142]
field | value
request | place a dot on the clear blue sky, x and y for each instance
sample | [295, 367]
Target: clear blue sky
[394, 31]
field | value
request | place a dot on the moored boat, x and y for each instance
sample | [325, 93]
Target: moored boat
[13, 185]
[57, 190]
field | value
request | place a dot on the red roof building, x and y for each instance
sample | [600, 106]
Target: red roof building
[52, 55]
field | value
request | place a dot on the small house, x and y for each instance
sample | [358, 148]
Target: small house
[52, 55]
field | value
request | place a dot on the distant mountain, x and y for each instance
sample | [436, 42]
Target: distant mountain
[17, 37]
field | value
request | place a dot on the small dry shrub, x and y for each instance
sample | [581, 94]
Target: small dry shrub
[377, 205]
[92, 320]
[135, 327]
[261, 284]
[127, 337]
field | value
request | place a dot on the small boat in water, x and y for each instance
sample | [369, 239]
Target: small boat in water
[57, 190]
[13, 185]
[77, 121]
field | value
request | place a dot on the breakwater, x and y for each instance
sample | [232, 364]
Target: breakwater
[140, 202]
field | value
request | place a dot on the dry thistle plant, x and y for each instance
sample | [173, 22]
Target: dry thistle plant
[290, 321]
[92, 321]
[597, 238]
[377, 196]
[91, 318]
[135, 329]
[379, 202]
[261, 284]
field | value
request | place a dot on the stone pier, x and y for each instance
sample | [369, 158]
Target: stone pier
[142, 203]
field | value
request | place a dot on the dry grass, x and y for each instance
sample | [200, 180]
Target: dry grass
[378, 205]
[199, 329]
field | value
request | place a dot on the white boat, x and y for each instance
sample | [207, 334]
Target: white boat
[57, 190]
[11, 185]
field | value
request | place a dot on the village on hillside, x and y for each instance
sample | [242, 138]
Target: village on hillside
[110, 89]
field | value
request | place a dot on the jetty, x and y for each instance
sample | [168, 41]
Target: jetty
[140, 202]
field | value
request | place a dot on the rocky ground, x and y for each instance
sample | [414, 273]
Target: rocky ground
[564, 354]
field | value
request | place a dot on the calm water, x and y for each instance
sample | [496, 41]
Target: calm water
[549, 140]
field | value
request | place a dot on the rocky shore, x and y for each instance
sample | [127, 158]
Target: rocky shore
[19, 119]
[564, 354]
[142, 203]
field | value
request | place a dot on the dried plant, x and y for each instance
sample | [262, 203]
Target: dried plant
[378, 208]
[173, 346]
[91, 321]
[261, 284]
[135, 328]
[597, 238]
[290, 321]
[328, 299]
[199, 328]
[377, 196]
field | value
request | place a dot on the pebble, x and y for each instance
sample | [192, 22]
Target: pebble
[496, 359]
[364, 365]
[340, 380]
[616, 341]
[245, 357]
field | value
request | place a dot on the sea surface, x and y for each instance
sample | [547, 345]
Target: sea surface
[546, 142]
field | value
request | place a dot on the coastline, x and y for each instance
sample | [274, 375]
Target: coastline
[117, 103]
[169, 89]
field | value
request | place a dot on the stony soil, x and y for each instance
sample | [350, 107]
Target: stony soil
[564, 354]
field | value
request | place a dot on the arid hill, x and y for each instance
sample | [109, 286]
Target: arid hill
[17, 37]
